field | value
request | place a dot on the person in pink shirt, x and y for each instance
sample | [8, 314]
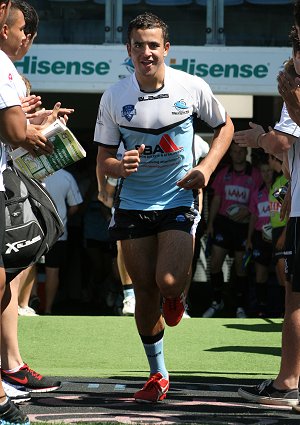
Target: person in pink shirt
[228, 225]
[259, 241]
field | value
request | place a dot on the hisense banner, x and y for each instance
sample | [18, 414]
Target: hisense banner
[92, 69]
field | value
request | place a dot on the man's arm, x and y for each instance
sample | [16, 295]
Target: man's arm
[108, 165]
[273, 142]
[199, 176]
[13, 125]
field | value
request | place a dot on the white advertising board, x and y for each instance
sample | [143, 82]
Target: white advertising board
[92, 69]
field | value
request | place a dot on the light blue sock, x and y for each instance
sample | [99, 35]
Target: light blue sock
[155, 353]
[128, 291]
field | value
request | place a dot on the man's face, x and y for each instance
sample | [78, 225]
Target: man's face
[14, 34]
[26, 45]
[238, 154]
[147, 51]
[4, 9]
[298, 30]
[296, 60]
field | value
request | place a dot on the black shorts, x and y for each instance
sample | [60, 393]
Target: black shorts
[56, 257]
[133, 224]
[229, 234]
[276, 233]
[2, 227]
[292, 252]
[261, 250]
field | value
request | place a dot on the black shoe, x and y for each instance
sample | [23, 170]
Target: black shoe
[265, 393]
[30, 380]
[10, 414]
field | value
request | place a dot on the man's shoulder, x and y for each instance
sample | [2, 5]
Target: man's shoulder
[7, 67]
[183, 77]
[119, 85]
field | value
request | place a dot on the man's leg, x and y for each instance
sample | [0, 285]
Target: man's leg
[218, 255]
[127, 285]
[51, 287]
[140, 260]
[28, 279]
[288, 377]
[10, 353]
[240, 285]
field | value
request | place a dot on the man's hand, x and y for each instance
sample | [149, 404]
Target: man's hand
[249, 138]
[194, 179]
[130, 161]
[289, 90]
[30, 103]
[286, 205]
[36, 143]
[57, 112]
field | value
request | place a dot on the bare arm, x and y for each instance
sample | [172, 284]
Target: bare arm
[199, 176]
[73, 210]
[273, 142]
[108, 165]
[13, 125]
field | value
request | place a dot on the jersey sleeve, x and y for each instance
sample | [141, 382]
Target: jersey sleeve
[209, 109]
[286, 124]
[73, 196]
[106, 129]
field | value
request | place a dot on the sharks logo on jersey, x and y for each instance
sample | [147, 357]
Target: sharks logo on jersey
[181, 107]
[128, 111]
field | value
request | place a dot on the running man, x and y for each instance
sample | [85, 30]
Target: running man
[156, 215]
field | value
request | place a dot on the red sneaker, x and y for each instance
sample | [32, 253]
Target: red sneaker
[154, 390]
[173, 309]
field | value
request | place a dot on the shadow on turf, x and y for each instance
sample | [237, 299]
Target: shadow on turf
[268, 326]
[272, 351]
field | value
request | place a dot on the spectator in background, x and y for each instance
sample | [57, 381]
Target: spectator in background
[65, 193]
[278, 223]
[101, 253]
[283, 141]
[228, 226]
[260, 236]
[107, 188]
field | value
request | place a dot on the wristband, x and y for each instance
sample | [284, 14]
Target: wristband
[258, 139]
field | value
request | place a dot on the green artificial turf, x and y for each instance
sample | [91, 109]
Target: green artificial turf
[110, 346]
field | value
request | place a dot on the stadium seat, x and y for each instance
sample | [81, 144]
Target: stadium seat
[125, 2]
[168, 2]
[69, 1]
[270, 2]
[226, 2]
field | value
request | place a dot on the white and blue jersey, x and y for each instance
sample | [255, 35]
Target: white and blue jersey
[163, 122]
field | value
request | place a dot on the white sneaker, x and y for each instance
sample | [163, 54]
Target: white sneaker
[26, 311]
[240, 313]
[14, 394]
[129, 306]
[211, 311]
[186, 315]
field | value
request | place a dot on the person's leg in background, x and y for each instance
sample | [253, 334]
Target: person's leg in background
[54, 260]
[128, 289]
[217, 258]
[28, 278]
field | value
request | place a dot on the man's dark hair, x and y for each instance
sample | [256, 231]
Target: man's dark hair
[289, 66]
[148, 20]
[30, 16]
[293, 37]
[297, 12]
